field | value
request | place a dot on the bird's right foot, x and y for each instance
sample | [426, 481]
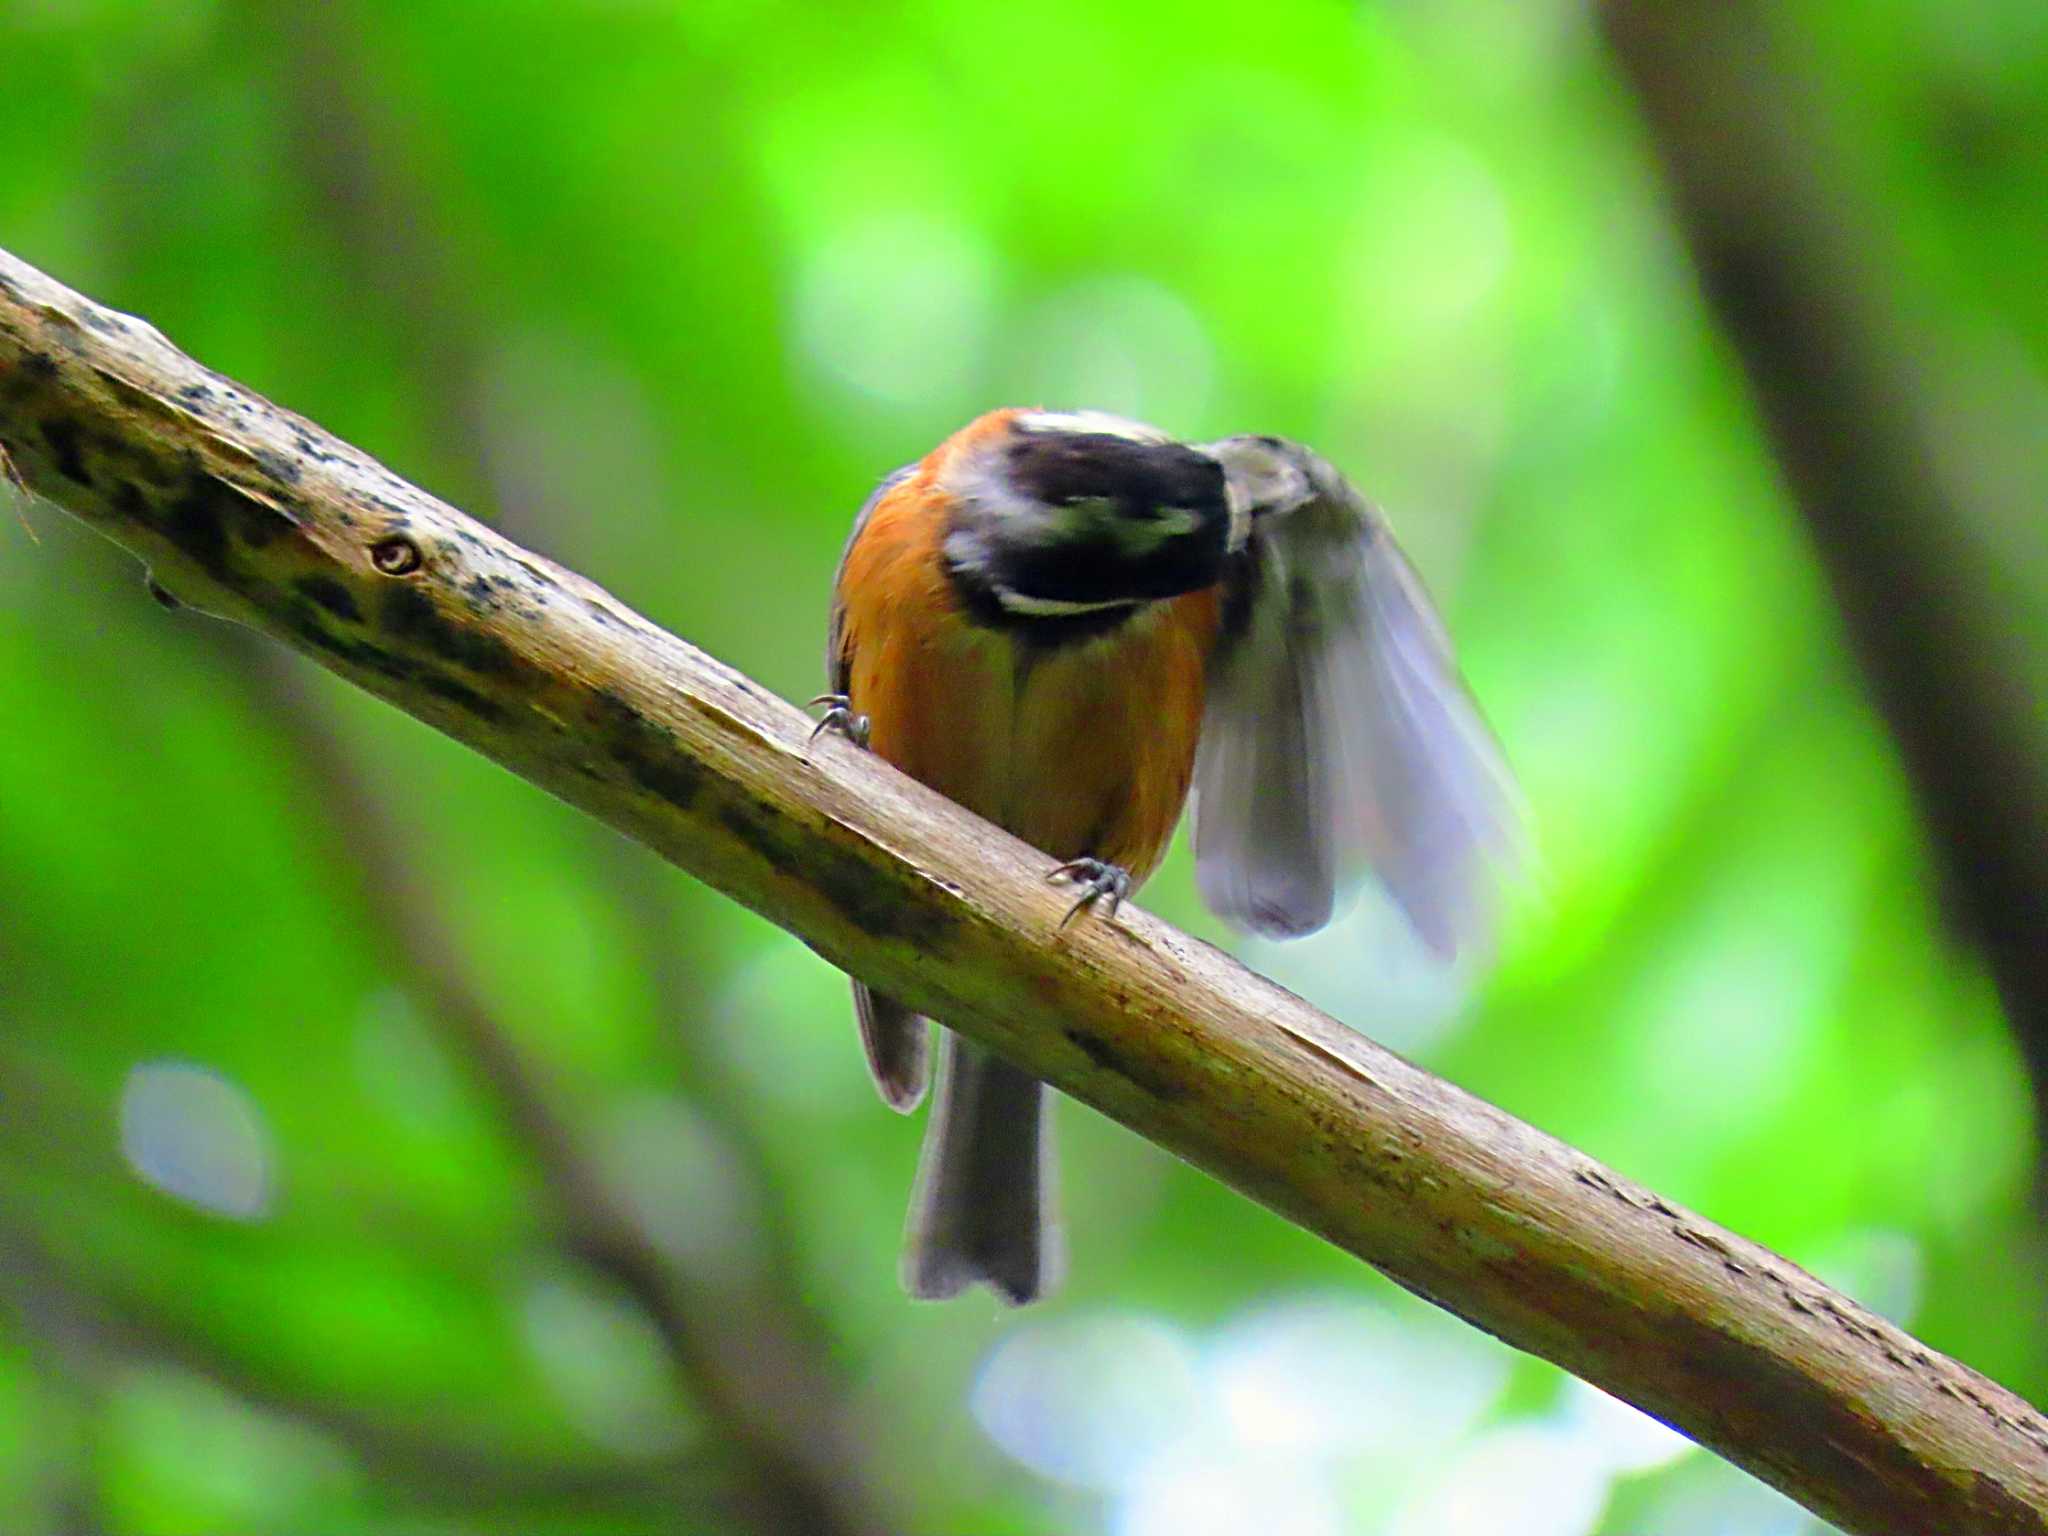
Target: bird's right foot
[839, 716]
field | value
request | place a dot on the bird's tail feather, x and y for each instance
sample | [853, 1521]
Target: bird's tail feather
[982, 1208]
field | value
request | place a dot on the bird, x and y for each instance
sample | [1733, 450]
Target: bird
[1073, 624]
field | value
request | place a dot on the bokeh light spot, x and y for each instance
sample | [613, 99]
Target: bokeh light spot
[1090, 1401]
[191, 1133]
[685, 1185]
[1533, 1482]
[1323, 1378]
[605, 1362]
[1615, 1434]
[1209, 1491]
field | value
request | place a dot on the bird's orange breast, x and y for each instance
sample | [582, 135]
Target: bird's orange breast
[1082, 750]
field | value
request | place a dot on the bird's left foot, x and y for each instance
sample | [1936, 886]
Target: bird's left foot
[1098, 882]
[839, 716]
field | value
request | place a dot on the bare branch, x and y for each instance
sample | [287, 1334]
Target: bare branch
[244, 510]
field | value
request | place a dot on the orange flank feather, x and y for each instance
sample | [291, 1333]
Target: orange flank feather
[1084, 751]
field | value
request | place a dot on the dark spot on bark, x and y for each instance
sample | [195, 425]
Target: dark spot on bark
[255, 520]
[129, 500]
[62, 436]
[615, 711]
[647, 752]
[410, 614]
[478, 590]
[331, 595]
[200, 521]
[1130, 1069]
[459, 693]
[251, 526]
[39, 366]
[674, 778]
[307, 624]
[371, 657]
[193, 523]
[872, 899]
[197, 394]
[278, 466]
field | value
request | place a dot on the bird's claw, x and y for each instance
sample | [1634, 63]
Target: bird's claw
[1098, 881]
[839, 716]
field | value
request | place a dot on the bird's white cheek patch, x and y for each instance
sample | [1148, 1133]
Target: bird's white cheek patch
[1023, 603]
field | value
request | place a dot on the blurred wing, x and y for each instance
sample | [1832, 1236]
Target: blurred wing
[1338, 735]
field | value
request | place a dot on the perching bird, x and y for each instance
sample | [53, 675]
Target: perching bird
[1062, 621]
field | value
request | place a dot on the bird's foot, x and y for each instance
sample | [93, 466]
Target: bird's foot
[1098, 882]
[839, 716]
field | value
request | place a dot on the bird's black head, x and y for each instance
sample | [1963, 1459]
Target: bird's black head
[1072, 516]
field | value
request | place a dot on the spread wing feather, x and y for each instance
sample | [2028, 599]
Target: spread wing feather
[1338, 735]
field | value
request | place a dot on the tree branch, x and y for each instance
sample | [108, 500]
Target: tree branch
[247, 511]
[1847, 393]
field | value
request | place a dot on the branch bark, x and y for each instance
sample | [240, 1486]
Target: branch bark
[244, 510]
[1847, 395]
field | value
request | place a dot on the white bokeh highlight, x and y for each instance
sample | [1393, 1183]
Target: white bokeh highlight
[1262, 1427]
[191, 1133]
[1528, 1479]
[1323, 1379]
[602, 1358]
[1222, 1490]
[1369, 965]
[692, 1195]
[1093, 1401]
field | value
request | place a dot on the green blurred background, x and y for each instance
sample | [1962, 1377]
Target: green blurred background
[310, 1022]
